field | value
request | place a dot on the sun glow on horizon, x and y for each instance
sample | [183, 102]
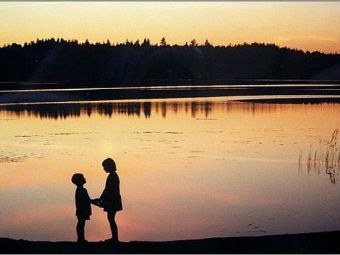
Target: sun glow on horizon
[307, 26]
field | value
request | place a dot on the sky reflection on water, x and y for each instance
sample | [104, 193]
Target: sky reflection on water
[189, 168]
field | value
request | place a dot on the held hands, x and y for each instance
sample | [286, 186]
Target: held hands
[96, 202]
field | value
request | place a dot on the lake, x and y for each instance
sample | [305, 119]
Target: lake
[189, 168]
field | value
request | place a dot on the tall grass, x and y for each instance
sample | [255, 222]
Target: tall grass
[324, 158]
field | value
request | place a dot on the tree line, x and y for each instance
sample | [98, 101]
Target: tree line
[142, 63]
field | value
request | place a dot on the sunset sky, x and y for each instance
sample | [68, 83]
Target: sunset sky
[303, 25]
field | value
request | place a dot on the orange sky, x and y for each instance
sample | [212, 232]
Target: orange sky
[304, 25]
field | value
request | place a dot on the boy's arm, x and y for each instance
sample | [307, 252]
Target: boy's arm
[92, 201]
[96, 202]
[87, 195]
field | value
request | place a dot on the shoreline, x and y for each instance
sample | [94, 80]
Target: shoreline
[318, 242]
[108, 94]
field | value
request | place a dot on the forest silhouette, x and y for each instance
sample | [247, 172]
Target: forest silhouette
[67, 62]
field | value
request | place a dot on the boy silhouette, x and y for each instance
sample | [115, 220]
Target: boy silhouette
[83, 205]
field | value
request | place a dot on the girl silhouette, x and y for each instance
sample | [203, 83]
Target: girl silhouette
[110, 199]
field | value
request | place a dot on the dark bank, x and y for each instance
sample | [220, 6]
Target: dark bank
[323, 242]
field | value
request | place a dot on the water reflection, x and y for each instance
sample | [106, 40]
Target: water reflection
[219, 168]
[138, 109]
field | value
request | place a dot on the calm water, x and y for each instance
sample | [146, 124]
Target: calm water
[189, 168]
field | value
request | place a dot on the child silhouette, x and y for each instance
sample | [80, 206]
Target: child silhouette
[83, 205]
[110, 200]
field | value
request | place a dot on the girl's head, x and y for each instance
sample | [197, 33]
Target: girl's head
[109, 165]
[78, 179]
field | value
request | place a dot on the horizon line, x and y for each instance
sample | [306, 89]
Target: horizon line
[140, 41]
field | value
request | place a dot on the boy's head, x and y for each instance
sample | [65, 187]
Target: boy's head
[109, 165]
[78, 179]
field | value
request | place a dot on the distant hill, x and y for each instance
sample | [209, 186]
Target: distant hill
[102, 64]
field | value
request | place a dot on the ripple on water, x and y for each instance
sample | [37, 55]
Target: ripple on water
[205, 119]
[12, 159]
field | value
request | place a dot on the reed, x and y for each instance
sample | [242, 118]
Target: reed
[326, 156]
[300, 161]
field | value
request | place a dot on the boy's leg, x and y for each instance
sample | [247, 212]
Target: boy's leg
[80, 230]
[113, 226]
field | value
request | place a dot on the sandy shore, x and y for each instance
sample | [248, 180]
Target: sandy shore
[324, 242]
